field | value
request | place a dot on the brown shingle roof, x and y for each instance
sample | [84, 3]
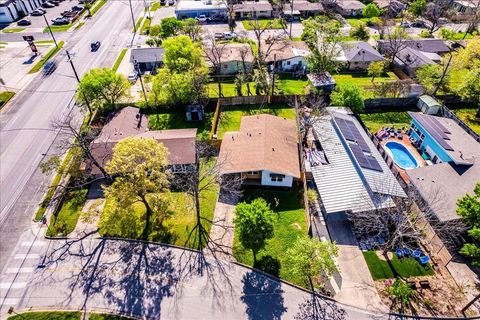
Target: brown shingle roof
[231, 52]
[285, 50]
[264, 142]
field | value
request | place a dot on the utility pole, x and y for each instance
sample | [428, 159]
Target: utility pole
[133, 18]
[78, 80]
[273, 73]
[141, 83]
[49, 29]
[291, 17]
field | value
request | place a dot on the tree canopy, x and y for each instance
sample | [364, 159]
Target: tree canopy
[371, 10]
[254, 224]
[348, 95]
[139, 167]
[375, 69]
[468, 208]
[99, 87]
[182, 54]
[310, 259]
[360, 32]
[417, 7]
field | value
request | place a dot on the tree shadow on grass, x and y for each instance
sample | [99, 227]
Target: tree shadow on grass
[269, 265]
[262, 296]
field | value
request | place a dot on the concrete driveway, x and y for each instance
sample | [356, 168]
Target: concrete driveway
[159, 282]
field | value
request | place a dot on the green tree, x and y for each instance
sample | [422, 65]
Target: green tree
[469, 87]
[311, 259]
[430, 76]
[260, 81]
[371, 10]
[182, 54]
[468, 208]
[400, 292]
[240, 79]
[102, 87]
[360, 32]
[87, 7]
[375, 69]
[417, 7]
[348, 95]
[254, 225]
[447, 34]
[192, 28]
[138, 165]
[170, 27]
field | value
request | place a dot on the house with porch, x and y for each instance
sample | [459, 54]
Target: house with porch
[454, 155]
[129, 122]
[263, 152]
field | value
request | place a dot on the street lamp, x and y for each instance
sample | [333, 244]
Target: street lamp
[49, 29]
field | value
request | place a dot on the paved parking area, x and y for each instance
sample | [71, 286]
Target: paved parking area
[163, 12]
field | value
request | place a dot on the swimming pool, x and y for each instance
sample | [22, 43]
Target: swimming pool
[400, 154]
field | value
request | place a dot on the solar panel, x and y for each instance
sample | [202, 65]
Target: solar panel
[351, 133]
[364, 161]
[435, 129]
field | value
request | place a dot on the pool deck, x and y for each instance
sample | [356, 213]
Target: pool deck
[408, 144]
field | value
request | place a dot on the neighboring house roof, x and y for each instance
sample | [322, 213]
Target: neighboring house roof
[264, 142]
[350, 4]
[467, 3]
[229, 53]
[143, 55]
[425, 45]
[395, 5]
[286, 50]
[442, 184]
[250, 6]
[128, 122]
[360, 51]
[302, 5]
[342, 184]
[187, 5]
[412, 58]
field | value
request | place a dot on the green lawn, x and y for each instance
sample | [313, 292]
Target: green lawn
[177, 227]
[155, 6]
[405, 267]
[13, 30]
[228, 89]
[52, 315]
[468, 116]
[63, 315]
[362, 79]
[46, 57]
[145, 26]
[231, 116]
[177, 120]
[119, 59]
[138, 24]
[354, 22]
[290, 223]
[376, 121]
[67, 217]
[58, 28]
[287, 85]
[5, 96]
[264, 23]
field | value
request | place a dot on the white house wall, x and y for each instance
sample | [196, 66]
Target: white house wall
[267, 181]
[294, 62]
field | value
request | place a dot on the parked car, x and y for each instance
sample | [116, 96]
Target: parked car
[162, 2]
[202, 18]
[48, 5]
[229, 35]
[132, 76]
[37, 12]
[60, 21]
[418, 24]
[55, 2]
[49, 67]
[171, 2]
[24, 22]
[95, 45]
[77, 8]
[405, 24]
[218, 35]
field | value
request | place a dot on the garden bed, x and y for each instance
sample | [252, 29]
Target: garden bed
[66, 219]
[290, 223]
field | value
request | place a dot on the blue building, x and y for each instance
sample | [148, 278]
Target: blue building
[456, 163]
[213, 9]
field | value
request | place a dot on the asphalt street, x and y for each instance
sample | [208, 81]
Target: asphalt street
[152, 281]
[26, 134]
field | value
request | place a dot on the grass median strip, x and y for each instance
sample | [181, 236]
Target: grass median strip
[49, 55]
[98, 6]
[58, 28]
[5, 97]
[119, 60]
[146, 26]
[138, 24]
[13, 30]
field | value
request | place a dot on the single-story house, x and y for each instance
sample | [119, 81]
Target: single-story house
[456, 168]
[349, 172]
[465, 6]
[357, 55]
[349, 8]
[424, 45]
[253, 9]
[303, 8]
[11, 10]
[264, 152]
[288, 56]
[391, 7]
[129, 122]
[192, 9]
[148, 59]
[231, 58]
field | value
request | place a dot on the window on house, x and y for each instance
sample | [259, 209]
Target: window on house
[252, 172]
[225, 66]
[276, 177]
[288, 63]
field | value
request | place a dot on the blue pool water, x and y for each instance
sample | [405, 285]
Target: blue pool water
[402, 157]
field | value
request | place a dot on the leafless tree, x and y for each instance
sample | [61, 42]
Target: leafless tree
[473, 17]
[434, 11]
[214, 54]
[393, 89]
[266, 41]
[245, 52]
[204, 176]
[396, 40]
[230, 5]
[310, 110]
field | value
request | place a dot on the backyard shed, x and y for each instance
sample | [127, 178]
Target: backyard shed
[428, 104]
